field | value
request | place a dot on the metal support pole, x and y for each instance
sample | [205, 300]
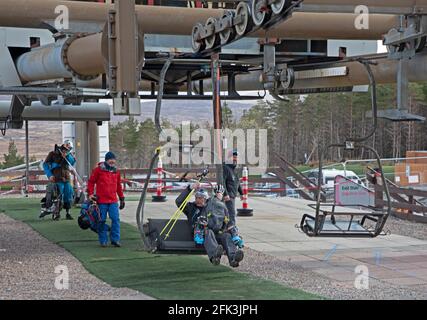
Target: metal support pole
[125, 48]
[402, 85]
[82, 149]
[201, 89]
[27, 160]
[269, 62]
[93, 144]
[189, 84]
[217, 116]
[232, 85]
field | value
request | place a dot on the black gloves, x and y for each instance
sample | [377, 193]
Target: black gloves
[122, 203]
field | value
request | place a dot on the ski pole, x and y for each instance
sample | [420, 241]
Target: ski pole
[178, 213]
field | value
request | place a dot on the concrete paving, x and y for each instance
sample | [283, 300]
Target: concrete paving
[393, 259]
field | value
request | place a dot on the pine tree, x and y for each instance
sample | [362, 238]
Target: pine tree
[12, 158]
[227, 116]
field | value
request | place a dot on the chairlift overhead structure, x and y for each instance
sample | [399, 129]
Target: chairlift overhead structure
[103, 55]
[84, 52]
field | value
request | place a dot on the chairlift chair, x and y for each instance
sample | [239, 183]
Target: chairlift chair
[179, 240]
[331, 220]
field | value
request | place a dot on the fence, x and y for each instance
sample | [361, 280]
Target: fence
[174, 179]
[406, 203]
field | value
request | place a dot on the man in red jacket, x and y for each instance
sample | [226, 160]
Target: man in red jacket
[106, 179]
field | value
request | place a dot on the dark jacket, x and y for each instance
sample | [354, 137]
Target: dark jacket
[214, 211]
[190, 210]
[55, 165]
[231, 181]
[108, 184]
[218, 217]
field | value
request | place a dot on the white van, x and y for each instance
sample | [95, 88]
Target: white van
[330, 174]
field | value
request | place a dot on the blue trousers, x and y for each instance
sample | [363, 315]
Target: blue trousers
[66, 190]
[113, 211]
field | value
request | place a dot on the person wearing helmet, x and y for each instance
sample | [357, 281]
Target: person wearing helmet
[68, 144]
[231, 184]
[104, 186]
[57, 168]
[221, 230]
[209, 221]
[193, 209]
[196, 217]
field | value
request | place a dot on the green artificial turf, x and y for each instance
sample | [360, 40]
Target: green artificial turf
[158, 275]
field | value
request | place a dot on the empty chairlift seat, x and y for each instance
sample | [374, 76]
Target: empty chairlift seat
[358, 219]
[342, 221]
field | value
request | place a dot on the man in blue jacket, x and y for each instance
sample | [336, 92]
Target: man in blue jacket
[57, 169]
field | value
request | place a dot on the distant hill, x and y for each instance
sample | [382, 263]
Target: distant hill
[191, 110]
[43, 135]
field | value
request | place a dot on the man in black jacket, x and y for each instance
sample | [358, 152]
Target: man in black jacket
[232, 186]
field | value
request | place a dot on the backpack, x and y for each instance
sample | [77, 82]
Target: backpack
[216, 215]
[89, 216]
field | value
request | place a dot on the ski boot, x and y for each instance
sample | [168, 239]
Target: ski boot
[238, 256]
[216, 259]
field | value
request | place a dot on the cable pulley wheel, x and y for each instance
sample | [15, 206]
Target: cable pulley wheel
[419, 44]
[245, 25]
[228, 33]
[279, 6]
[195, 43]
[287, 78]
[394, 48]
[213, 40]
[260, 12]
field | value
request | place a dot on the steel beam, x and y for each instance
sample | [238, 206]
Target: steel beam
[385, 71]
[180, 21]
[375, 7]
[76, 57]
[125, 57]
[39, 112]
[82, 149]
[93, 143]
[346, 75]
[85, 55]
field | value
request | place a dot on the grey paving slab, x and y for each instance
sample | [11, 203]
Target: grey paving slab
[412, 258]
[400, 266]
[417, 273]
[406, 281]
[272, 231]
[422, 264]
[337, 274]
